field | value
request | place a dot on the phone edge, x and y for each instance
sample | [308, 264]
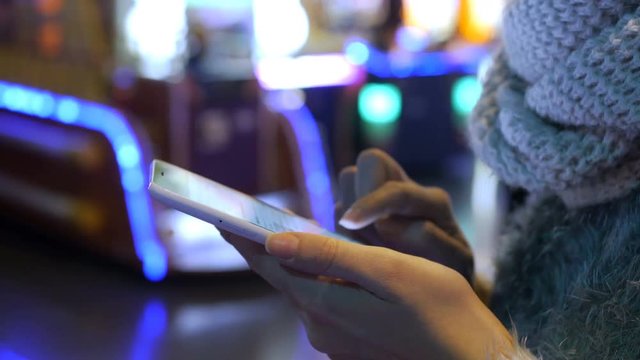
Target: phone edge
[218, 219]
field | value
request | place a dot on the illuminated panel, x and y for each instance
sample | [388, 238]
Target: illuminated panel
[114, 127]
[314, 164]
[306, 72]
[391, 65]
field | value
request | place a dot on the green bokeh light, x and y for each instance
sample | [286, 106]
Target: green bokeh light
[465, 94]
[380, 103]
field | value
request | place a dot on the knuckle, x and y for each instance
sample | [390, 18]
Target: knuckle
[403, 192]
[397, 188]
[395, 185]
[440, 195]
[328, 253]
[430, 229]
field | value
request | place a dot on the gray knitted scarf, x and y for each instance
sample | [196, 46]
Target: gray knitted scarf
[560, 109]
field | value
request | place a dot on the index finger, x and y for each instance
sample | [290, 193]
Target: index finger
[374, 168]
[404, 199]
[380, 270]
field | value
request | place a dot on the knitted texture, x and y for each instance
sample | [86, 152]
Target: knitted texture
[560, 109]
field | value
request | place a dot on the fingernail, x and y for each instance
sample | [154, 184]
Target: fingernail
[283, 246]
[350, 220]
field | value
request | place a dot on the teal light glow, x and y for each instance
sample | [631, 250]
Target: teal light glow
[465, 94]
[380, 103]
[357, 53]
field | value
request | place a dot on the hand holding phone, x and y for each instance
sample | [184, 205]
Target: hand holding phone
[226, 208]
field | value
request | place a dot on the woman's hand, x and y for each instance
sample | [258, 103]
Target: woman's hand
[380, 205]
[365, 302]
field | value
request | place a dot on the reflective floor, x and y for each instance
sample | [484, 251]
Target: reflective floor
[58, 303]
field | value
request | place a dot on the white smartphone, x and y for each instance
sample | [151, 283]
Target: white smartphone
[224, 207]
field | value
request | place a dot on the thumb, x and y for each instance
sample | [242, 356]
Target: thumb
[374, 168]
[377, 269]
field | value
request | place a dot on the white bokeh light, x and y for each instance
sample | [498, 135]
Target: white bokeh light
[437, 18]
[488, 13]
[155, 33]
[281, 27]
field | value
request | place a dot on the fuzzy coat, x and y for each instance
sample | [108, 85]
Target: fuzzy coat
[559, 116]
[568, 281]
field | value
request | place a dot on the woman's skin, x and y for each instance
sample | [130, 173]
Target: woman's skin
[386, 208]
[386, 301]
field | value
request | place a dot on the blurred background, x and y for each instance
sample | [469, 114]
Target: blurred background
[272, 97]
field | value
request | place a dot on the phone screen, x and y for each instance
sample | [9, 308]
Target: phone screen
[232, 202]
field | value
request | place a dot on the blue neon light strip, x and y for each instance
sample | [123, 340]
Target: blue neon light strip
[384, 65]
[314, 165]
[152, 325]
[8, 354]
[133, 173]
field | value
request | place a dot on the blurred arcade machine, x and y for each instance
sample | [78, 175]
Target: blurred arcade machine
[91, 91]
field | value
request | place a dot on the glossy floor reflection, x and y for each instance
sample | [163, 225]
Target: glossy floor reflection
[57, 303]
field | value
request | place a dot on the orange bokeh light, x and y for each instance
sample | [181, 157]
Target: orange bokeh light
[49, 7]
[471, 28]
[50, 39]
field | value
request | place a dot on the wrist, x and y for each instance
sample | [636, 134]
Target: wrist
[482, 333]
